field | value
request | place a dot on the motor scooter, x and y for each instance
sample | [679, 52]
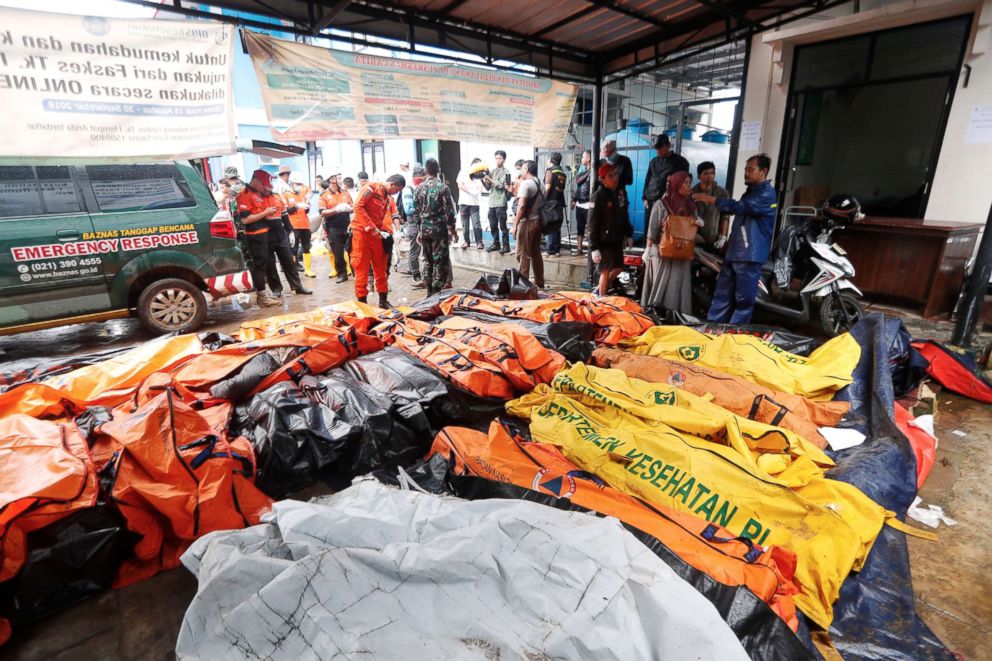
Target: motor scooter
[630, 280]
[811, 276]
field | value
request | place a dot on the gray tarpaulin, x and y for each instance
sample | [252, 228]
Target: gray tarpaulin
[378, 573]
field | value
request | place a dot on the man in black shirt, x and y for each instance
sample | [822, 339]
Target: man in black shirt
[624, 168]
[625, 177]
[555, 180]
[580, 200]
[665, 164]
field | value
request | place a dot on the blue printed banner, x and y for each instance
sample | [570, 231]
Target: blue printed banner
[313, 93]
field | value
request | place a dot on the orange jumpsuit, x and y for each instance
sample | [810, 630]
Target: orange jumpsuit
[391, 213]
[371, 208]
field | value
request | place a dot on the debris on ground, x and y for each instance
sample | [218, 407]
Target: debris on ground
[931, 515]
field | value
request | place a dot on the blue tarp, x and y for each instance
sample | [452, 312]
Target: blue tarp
[875, 617]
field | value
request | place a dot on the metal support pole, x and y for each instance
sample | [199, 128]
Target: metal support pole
[971, 310]
[597, 138]
[597, 130]
[735, 136]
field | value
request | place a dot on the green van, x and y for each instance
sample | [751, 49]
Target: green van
[85, 243]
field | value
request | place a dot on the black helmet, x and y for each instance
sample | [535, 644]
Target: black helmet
[842, 208]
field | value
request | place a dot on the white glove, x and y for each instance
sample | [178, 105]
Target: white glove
[596, 257]
[720, 242]
[342, 208]
[699, 222]
[384, 234]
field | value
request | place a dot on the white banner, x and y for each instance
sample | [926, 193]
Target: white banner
[92, 88]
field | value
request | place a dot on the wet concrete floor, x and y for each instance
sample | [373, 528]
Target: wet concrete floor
[951, 577]
[224, 317]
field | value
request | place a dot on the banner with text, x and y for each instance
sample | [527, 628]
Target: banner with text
[92, 88]
[313, 93]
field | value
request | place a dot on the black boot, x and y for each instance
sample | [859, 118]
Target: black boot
[302, 290]
[363, 299]
[383, 303]
[493, 248]
[342, 278]
[506, 247]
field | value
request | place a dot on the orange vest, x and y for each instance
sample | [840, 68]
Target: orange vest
[298, 218]
[329, 200]
[253, 202]
[279, 204]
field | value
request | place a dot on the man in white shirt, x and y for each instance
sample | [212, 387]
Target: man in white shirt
[469, 191]
[281, 183]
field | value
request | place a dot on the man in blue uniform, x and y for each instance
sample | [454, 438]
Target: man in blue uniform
[749, 244]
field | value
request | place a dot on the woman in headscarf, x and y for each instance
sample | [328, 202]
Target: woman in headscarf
[609, 228]
[667, 281]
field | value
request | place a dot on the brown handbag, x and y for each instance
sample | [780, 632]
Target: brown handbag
[678, 239]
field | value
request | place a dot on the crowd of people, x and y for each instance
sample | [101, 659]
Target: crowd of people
[358, 224]
[680, 217]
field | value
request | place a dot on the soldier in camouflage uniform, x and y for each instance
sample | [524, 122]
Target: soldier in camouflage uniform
[434, 209]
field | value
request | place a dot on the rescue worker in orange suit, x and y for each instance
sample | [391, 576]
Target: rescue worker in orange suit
[279, 248]
[254, 205]
[389, 223]
[299, 196]
[368, 233]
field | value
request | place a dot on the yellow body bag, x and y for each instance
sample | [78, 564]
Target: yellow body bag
[614, 427]
[818, 376]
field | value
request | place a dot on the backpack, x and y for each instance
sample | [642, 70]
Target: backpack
[550, 212]
[559, 179]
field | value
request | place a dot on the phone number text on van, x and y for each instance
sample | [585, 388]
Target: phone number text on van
[78, 248]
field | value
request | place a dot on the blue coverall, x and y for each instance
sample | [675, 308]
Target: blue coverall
[748, 248]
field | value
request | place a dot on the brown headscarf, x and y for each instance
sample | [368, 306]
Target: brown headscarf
[677, 204]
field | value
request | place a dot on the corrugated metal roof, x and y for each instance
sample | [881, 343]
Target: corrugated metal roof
[572, 39]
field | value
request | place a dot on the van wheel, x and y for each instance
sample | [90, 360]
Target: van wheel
[171, 306]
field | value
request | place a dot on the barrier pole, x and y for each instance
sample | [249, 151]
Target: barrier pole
[971, 310]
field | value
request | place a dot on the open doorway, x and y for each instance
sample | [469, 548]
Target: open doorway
[866, 116]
